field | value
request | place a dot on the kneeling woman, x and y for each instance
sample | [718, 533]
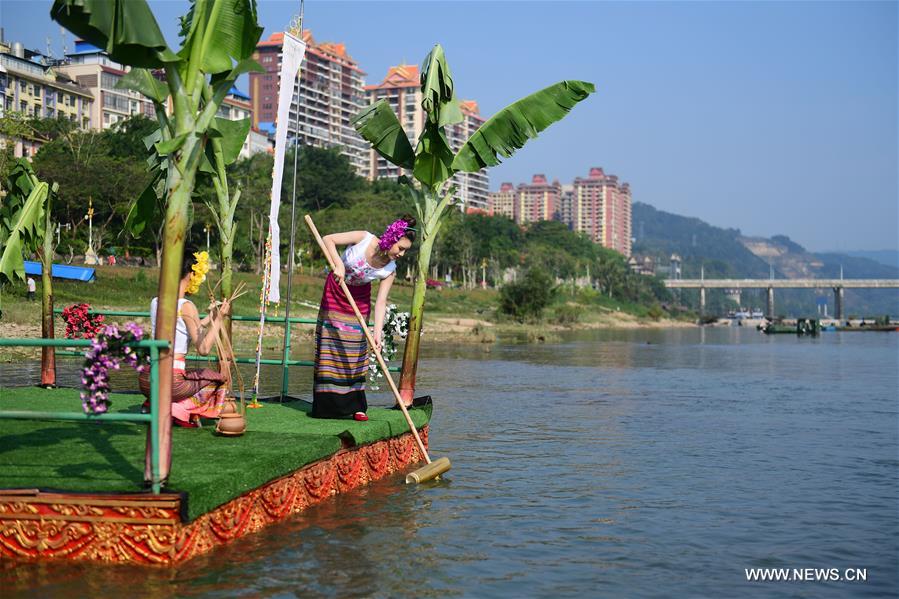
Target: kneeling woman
[341, 350]
[197, 392]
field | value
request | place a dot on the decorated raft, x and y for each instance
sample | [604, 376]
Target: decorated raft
[71, 490]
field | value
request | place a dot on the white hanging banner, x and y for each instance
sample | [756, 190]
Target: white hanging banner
[291, 57]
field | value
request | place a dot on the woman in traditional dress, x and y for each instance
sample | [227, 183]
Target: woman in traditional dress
[341, 350]
[197, 392]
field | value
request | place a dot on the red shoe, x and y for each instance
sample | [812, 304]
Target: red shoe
[360, 417]
[184, 424]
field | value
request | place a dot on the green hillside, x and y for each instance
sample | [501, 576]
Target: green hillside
[725, 253]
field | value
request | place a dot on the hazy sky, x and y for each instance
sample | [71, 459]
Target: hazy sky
[768, 117]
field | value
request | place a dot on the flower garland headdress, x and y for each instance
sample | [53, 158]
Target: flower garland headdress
[393, 233]
[199, 270]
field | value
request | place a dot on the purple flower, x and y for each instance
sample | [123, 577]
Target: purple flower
[392, 234]
[108, 350]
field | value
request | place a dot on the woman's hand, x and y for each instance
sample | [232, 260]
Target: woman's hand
[378, 344]
[225, 308]
[339, 272]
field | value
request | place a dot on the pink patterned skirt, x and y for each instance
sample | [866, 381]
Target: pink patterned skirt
[195, 392]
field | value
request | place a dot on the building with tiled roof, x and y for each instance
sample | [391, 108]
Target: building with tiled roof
[330, 93]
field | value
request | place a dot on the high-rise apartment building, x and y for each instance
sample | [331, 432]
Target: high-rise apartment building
[600, 207]
[502, 202]
[402, 90]
[331, 92]
[537, 201]
[34, 89]
[597, 205]
[566, 205]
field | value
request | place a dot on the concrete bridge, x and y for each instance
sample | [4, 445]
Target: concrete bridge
[837, 285]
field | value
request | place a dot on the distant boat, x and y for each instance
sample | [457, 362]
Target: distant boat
[803, 326]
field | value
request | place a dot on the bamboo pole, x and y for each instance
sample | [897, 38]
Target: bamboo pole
[434, 469]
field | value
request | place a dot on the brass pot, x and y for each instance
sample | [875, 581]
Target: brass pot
[231, 425]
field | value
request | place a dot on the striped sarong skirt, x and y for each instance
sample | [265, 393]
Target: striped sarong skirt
[341, 353]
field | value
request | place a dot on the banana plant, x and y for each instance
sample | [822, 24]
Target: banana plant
[218, 40]
[433, 163]
[25, 227]
[223, 149]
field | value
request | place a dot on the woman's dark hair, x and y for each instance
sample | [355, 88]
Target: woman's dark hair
[187, 262]
[410, 232]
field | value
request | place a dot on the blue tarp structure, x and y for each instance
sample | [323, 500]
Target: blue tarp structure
[61, 271]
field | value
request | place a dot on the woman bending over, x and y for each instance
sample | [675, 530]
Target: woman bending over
[341, 350]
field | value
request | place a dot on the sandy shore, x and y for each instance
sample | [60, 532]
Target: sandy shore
[438, 328]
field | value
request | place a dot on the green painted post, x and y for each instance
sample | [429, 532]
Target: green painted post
[285, 358]
[154, 419]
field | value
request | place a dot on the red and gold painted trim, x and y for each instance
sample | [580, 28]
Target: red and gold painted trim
[147, 529]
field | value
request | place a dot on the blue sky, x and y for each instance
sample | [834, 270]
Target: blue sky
[768, 117]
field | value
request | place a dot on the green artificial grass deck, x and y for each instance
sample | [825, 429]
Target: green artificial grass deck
[109, 456]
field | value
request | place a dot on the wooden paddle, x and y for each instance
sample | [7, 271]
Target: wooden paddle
[434, 468]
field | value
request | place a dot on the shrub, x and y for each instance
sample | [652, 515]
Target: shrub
[568, 314]
[527, 297]
[655, 312]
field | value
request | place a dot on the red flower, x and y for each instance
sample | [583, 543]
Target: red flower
[80, 323]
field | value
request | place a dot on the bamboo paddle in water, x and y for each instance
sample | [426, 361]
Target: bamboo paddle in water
[438, 466]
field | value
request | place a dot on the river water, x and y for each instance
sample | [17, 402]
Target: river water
[612, 464]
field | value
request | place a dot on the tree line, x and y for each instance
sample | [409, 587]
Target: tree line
[109, 168]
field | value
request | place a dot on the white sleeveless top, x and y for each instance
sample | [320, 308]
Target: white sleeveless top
[181, 336]
[358, 270]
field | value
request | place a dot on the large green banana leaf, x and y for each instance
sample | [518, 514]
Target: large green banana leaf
[232, 134]
[379, 126]
[143, 81]
[22, 224]
[234, 35]
[147, 209]
[510, 128]
[434, 158]
[126, 29]
[438, 95]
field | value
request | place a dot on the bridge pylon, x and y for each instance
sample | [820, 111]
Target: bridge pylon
[839, 304]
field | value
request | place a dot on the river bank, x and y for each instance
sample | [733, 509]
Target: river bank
[456, 315]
